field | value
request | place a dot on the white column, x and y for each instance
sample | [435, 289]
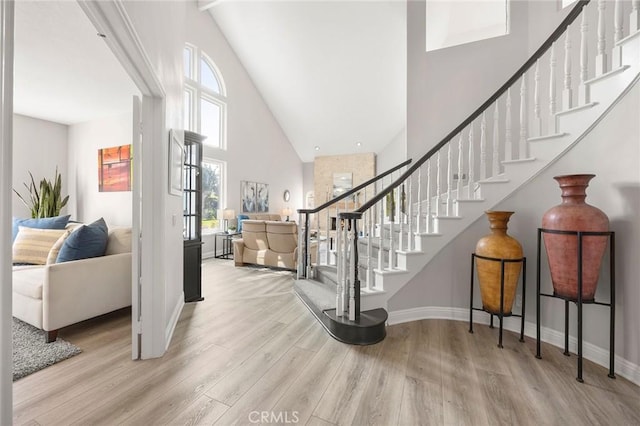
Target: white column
[601, 57]
[523, 119]
[583, 90]
[6, 164]
[508, 142]
[567, 93]
[495, 162]
[616, 55]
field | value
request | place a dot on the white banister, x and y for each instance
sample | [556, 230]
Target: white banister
[523, 152]
[438, 190]
[339, 271]
[634, 19]
[460, 168]
[601, 58]
[552, 89]
[409, 207]
[370, 231]
[428, 197]
[470, 193]
[483, 147]
[449, 176]
[495, 162]
[328, 251]
[392, 226]
[381, 234]
[536, 99]
[508, 142]
[567, 94]
[583, 91]
[616, 57]
[419, 199]
[400, 217]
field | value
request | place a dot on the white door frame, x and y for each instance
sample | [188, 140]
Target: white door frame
[6, 164]
[111, 19]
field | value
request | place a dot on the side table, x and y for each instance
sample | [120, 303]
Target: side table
[227, 244]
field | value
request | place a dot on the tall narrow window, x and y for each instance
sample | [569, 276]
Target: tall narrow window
[212, 195]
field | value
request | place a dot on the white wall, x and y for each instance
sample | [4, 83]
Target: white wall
[161, 28]
[86, 203]
[612, 152]
[393, 154]
[49, 141]
[257, 148]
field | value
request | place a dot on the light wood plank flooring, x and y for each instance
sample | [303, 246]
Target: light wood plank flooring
[252, 353]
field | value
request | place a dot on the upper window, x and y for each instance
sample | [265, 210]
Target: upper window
[205, 100]
[453, 23]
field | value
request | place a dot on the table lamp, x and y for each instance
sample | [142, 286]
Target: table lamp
[228, 214]
[287, 212]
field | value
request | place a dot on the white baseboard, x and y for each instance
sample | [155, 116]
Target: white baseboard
[173, 321]
[600, 356]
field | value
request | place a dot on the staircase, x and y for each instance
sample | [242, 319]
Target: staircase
[412, 211]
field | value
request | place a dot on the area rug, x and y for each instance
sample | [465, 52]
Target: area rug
[31, 353]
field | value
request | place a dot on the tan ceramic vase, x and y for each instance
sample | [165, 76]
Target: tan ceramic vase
[574, 214]
[498, 245]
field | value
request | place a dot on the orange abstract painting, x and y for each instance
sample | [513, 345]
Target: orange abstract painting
[114, 169]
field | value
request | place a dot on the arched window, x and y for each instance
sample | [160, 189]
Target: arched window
[205, 98]
[205, 112]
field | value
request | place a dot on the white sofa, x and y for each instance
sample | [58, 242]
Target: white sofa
[53, 296]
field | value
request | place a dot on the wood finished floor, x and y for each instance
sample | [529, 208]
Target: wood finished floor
[252, 347]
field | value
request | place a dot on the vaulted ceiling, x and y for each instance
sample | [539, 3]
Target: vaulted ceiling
[332, 72]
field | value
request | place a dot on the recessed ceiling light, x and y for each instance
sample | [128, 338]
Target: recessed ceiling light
[358, 143]
[317, 148]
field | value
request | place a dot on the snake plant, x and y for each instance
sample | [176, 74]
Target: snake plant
[47, 201]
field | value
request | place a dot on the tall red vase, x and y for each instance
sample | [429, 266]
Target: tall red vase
[574, 214]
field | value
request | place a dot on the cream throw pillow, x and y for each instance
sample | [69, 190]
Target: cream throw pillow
[33, 245]
[53, 253]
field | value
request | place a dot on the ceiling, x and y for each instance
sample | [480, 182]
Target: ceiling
[332, 72]
[63, 71]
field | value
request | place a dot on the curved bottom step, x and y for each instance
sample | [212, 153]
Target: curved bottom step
[368, 329]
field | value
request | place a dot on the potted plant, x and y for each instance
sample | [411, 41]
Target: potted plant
[44, 200]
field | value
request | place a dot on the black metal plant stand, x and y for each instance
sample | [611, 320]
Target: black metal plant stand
[579, 302]
[501, 314]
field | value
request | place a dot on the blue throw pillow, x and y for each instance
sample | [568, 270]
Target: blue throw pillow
[241, 217]
[85, 242]
[57, 222]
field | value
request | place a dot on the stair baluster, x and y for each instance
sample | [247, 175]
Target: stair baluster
[552, 90]
[460, 168]
[401, 210]
[370, 234]
[352, 238]
[601, 58]
[495, 163]
[583, 91]
[536, 100]
[410, 238]
[483, 147]
[635, 16]
[523, 153]
[428, 198]
[438, 185]
[470, 193]
[449, 177]
[567, 94]
[616, 57]
[419, 198]
[508, 141]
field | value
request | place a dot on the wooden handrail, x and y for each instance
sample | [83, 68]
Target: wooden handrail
[354, 190]
[568, 20]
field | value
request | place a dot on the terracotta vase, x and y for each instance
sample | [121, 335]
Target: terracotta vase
[574, 214]
[498, 245]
